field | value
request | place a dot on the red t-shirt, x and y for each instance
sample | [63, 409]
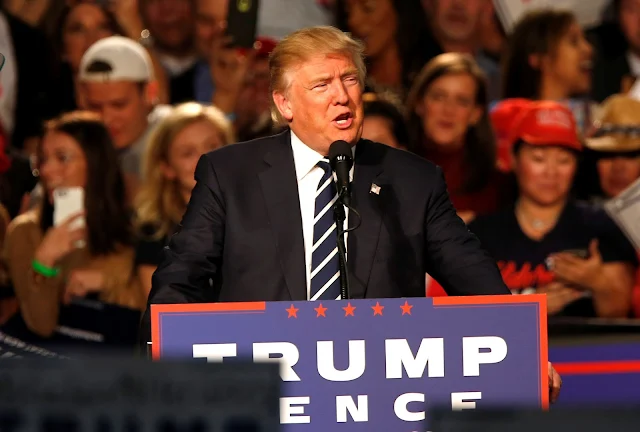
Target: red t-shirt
[484, 201]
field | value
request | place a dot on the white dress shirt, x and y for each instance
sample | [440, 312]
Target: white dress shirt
[309, 174]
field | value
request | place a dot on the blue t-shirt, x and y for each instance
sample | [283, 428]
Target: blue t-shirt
[523, 261]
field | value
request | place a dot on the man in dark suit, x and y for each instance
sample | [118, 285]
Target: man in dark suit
[260, 225]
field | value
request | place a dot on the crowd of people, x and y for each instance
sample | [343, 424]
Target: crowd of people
[534, 130]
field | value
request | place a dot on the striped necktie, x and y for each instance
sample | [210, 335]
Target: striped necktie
[325, 261]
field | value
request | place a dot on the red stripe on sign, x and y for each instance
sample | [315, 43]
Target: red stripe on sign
[601, 367]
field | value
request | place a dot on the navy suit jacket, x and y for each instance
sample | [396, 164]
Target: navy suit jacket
[243, 231]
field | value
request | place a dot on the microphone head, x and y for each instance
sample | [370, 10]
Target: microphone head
[340, 151]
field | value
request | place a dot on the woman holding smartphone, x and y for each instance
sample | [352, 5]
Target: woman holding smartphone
[547, 242]
[90, 252]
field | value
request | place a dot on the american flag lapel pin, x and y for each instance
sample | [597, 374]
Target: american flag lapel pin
[375, 189]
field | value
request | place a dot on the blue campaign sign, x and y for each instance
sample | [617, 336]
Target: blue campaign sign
[363, 365]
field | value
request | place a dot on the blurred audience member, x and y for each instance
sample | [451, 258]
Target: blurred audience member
[457, 26]
[241, 88]
[615, 145]
[502, 117]
[30, 12]
[171, 29]
[449, 125]
[50, 265]
[26, 80]
[396, 38]
[549, 58]
[8, 303]
[618, 53]
[546, 242]
[232, 79]
[195, 83]
[79, 27]
[116, 80]
[169, 165]
[615, 148]
[384, 121]
[17, 178]
[493, 38]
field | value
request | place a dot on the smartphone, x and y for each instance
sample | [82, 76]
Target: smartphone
[242, 23]
[580, 253]
[66, 203]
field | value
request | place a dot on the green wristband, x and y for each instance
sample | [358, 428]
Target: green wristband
[45, 271]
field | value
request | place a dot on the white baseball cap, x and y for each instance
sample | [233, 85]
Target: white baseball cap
[116, 58]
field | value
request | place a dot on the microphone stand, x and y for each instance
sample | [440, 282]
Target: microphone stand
[339, 217]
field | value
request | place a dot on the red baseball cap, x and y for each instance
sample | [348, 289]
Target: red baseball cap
[547, 123]
[502, 118]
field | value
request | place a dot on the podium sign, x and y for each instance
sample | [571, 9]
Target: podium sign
[363, 365]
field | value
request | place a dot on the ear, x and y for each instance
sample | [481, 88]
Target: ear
[283, 104]
[152, 91]
[167, 171]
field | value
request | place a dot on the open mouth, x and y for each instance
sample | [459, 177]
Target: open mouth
[586, 66]
[343, 121]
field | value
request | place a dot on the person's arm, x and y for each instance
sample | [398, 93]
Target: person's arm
[610, 282]
[121, 286]
[612, 290]
[194, 253]
[144, 274]
[455, 257]
[39, 296]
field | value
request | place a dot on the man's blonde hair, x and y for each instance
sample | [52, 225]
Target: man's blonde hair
[300, 46]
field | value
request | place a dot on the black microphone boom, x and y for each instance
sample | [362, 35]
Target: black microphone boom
[341, 161]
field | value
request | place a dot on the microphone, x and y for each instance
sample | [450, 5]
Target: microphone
[341, 161]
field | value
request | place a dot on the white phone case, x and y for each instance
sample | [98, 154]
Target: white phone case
[66, 203]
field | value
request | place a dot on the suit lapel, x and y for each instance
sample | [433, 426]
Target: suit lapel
[280, 189]
[362, 242]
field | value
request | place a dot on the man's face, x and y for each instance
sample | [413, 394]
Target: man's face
[630, 22]
[323, 103]
[170, 23]
[456, 20]
[210, 22]
[123, 106]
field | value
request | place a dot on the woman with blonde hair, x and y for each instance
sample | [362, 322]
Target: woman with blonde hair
[168, 166]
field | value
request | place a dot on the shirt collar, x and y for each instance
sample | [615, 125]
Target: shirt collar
[305, 158]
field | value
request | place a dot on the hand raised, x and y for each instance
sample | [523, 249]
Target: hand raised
[59, 241]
